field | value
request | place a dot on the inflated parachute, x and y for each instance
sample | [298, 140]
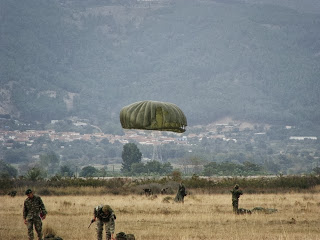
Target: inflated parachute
[153, 115]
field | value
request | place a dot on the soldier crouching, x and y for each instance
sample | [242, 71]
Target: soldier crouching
[106, 218]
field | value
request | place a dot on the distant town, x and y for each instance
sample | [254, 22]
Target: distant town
[213, 131]
[222, 148]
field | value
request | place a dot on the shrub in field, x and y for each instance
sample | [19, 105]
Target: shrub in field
[5, 185]
[232, 169]
[196, 182]
[66, 204]
[124, 186]
[115, 182]
[45, 192]
[115, 191]
[176, 176]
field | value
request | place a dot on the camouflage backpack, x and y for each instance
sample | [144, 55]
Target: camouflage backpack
[264, 210]
[121, 236]
[130, 237]
[243, 211]
[52, 237]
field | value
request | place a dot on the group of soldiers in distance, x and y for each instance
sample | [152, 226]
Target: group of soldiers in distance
[34, 212]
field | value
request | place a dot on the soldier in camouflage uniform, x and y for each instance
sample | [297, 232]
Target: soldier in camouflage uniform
[236, 192]
[181, 193]
[34, 212]
[106, 217]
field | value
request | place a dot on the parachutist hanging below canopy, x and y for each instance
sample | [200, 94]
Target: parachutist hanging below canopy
[153, 115]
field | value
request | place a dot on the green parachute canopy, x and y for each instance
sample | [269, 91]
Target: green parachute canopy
[153, 115]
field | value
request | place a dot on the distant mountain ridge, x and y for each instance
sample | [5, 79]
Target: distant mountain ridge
[251, 60]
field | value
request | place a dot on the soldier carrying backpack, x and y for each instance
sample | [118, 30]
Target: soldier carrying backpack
[106, 217]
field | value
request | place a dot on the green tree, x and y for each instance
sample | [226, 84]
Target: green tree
[15, 156]
[210, 169]
[153, 167]
[35, 174]
[6, 170]
[316, 170]
[167, 168]
[272, 167]
[50, 161]
[138, 168]
[65, 171]
[88, 171]
[251, 168]
[102, 172]
[130, 154]
[196, 162]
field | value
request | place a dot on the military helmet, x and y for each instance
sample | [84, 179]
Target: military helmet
[106, 209]
[236, 186]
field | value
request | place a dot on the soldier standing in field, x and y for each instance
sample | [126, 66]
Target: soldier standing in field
[106, 217]
[34, 212]
[236, 192]
[181, 193]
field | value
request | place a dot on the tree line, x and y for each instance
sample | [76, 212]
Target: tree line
[50, 165]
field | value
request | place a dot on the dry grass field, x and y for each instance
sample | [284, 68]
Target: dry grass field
[152, 218]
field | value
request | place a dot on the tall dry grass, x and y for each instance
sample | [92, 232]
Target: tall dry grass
[153, 218]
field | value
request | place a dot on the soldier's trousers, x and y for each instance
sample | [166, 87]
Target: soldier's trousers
[37, 223]
[235, 205]
[179, 198]
[100, 229]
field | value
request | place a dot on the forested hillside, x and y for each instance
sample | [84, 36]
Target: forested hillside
[252, 60]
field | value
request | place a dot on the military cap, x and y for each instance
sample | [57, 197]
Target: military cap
[28, 191]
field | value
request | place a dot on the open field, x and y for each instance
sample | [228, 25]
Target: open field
[151, 218]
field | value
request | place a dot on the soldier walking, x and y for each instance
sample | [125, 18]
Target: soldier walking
[34, 212]
[236, 193]
[106, 216]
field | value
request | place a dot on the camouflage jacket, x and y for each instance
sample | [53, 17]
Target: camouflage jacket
[236, 194]
[32, 207]
[182, 190]
[103, 216]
